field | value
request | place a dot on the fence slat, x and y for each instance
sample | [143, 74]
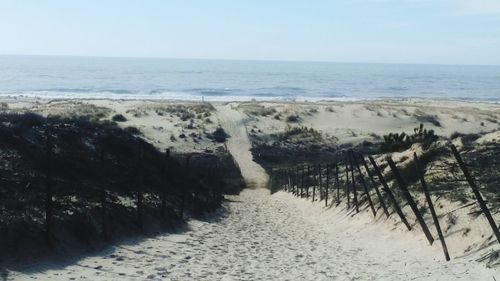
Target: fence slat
[389, 193]
[164, 191]
[367, 192]
[347, 183]
[308, 180]
[48, 188]
[327, 184]
[337, 183]
[353, 181]
[314, 183]
[320, 184]
[475, 189]
[406, 193]
[420, 172]
[375, 186]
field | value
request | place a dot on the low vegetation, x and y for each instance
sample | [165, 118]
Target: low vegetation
[219, 135]
[293, 118]
[401, 141]
[119, 118]
[78, 181]
[256, 109]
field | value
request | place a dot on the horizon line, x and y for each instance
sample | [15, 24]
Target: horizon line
[245, 60]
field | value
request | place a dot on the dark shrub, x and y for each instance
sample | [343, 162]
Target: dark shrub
[133, 130]
[293, 118]
[220, 135]
[119, 118]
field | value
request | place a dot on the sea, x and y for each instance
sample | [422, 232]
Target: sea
[233, 80]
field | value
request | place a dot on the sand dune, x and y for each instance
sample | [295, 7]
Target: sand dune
[258, 236]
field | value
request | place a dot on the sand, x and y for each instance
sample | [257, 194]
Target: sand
[258, 236]
[239, 145]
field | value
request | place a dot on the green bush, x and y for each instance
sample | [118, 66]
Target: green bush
[399, 142]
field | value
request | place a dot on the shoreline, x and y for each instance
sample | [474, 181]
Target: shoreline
[248, 99]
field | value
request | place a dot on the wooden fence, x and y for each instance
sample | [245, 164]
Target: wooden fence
[323, 180]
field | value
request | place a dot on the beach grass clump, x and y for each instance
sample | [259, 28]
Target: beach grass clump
[330, 109]
[80, 109]
[312, 111]
[186, 111]
[301, 132]
[293, 118]
[401, 141]
[119, 118]
[255, 109]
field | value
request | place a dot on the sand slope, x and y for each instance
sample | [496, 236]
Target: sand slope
[233, 121]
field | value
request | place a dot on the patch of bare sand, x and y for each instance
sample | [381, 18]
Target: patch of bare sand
[239, 145]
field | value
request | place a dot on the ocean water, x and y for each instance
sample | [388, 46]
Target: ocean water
[220, 80]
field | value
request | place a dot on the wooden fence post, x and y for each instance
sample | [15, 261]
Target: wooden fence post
[302, 182]
[420, 173]
[314, 182]
[103, 202]
[184, 191]
[347, 183]
[139, 195]
[475, 189]
[404, 189]
[367, 192]
[164, 189]
[353, 180]
[290, 183]
[389, 193]
[284, 180]
[320, 184]
[308, 181]
[140, 224]
[374, 184]
[337, 182]
[48, 187]
[297, 181]
[281, 181]
[327, 184]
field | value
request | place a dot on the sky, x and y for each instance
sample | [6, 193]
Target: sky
[388, 31]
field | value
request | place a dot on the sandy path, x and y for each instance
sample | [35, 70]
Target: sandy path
[233, 123]
[270, 237]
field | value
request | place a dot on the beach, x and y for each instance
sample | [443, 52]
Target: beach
[250, 140]
[258, 235]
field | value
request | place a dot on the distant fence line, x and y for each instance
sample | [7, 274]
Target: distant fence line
[323, 180]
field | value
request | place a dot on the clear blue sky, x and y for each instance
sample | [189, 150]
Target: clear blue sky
[410, 31]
